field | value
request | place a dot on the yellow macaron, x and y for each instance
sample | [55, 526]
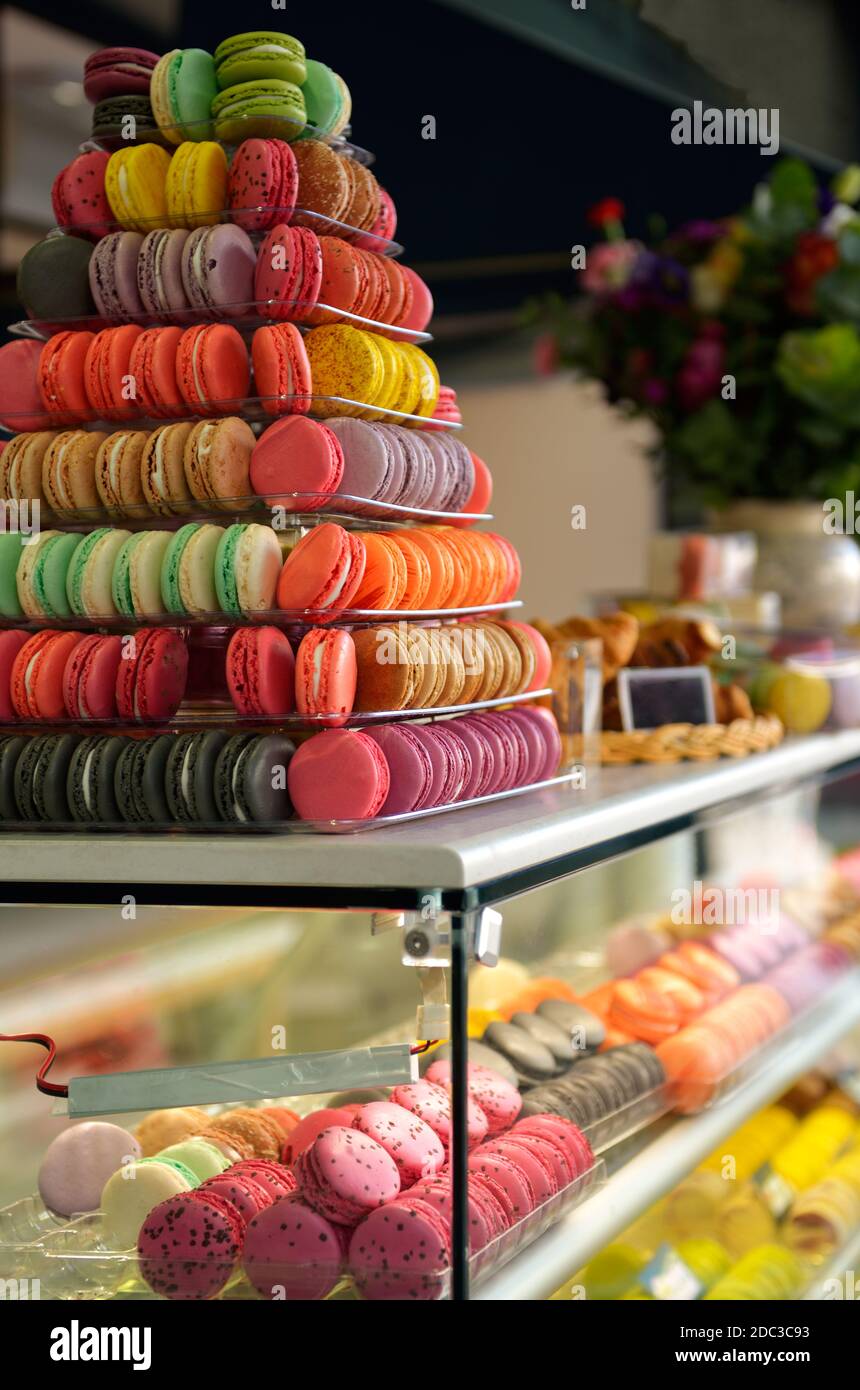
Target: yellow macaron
[135, 186]
[197, 184]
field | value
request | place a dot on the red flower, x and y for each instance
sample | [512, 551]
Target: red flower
[607, 210]
[814, 256]
[547, 356]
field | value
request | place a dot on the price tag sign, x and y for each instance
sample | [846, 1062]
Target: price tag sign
[668, 1279]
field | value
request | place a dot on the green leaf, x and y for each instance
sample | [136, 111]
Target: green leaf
[837, 294]
[849, 243]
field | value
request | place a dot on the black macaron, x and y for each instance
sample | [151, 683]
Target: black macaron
[11, 749]
[189, 776]
[586, 1029]
[53, 279]
[111, 121]
[139, 780]
[531, 1060]
[251, 779]
[50, 778]
[24, 769]
[90, 782]
[558, 1040]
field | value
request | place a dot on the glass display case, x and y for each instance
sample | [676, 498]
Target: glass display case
[639, 921]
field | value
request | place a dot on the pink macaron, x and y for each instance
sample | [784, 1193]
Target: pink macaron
[401, 1252]
[292, 1252]
[11, 643]
[345, 1174]
[305, 1132]
[189, 1245]
[297, 463]
[500, 1101]
[510, 1177]
[432, 1104]
[326, 674]
[409, 765]
[340, 774]
[414, 1146]
[260, 669]
[247, 1195]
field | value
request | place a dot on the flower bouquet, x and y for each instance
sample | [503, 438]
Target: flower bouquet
[739, 338]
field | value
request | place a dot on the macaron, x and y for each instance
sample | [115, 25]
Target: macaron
[152, 369]
[89, 678]
[260, 670]
[152, 674]
[289, 273]
[326, 674]
[78, 195]
[181, 89]
[116, 119]
[190, 776]
[339, 775]
[297, 464]
[37, 674]
[189, 1246]
[135, 185]
[326, 99]
[118, 72]
[78, 1163]
[132, 1192]
[217, 459]
[250, 779]
[21, 403]
[136, 579]
[90, 783]
[292, 1251]
[90, 573]
[162, 469]
[346, 1174]
[212, 369]
[53, 280]
[247, 568]
[68, 473]
[218, 265]
[263, 184]
[108, 379]
[118, 473]
[159, 273]
[409, 765]
[188, 571]
[323, 572]
[282, 372]
[141, 798]
[260, 54]
[195, 187]
[266, 107]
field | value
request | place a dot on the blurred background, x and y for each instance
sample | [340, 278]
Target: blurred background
[541, 110]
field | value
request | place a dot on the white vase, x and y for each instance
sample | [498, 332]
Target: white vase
[817, 575]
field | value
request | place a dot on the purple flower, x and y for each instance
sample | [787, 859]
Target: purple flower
[826, 201]
[700, 229]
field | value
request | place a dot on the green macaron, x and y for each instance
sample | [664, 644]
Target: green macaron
[121, 578]
[50, 573]
[10, 554]
[225, 569]
[77, 565]
[170, 567]
[269, 109]
[185, 90]
[324, 96]
[261, 54]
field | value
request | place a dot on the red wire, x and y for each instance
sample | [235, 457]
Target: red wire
[422, 1047]
[48, 1088]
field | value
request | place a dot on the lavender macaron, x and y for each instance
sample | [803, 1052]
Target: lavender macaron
[420, 481]
[455, 473]
[482, 755]
[449, 761]
[159, 272]
[374, 466]
[218, 266]
[78, 1163]
[409, 765]
[113, 276]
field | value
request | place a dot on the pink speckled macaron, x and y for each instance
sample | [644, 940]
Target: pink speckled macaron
[189, 1245]
[248, 1196]
[306, 1131]
[401, 1251]
[432, 1104]
[345, 1174]
[415, 1147]
[277, 1177]
[575, 1143]
[500, 1101]
[510, 1176]
[537, 1166]
[292, 1252]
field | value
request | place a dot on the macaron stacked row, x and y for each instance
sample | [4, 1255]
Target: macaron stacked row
[259, 83]
[296, 465]
[172, 275]
[53, 675]
[207, 778]
[266, 183]
[131, 373]
[393, 769]
[335, 673]
[824, 1217]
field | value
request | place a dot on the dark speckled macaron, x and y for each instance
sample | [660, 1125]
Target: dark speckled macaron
[530, 1058]
[478, 1055]
[583, 1026]
[90, 782]
[24, 769]
[189, 776]
[11, 749]
[50, 777]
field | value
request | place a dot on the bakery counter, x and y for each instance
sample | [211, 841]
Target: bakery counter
[660, 1164]
[496, 850]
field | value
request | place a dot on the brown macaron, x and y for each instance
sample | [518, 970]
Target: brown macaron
[232, 1146]
[491, 682]
[21, 466]
[472, 649]
[162, 470]
[254, 1128]
[428, 675]
[217, 463]
[386, 676]
[118, 473]
[366, 200]
[69, 472]
[325, 186]
[509, 652]
[455, 669]
[527, 655]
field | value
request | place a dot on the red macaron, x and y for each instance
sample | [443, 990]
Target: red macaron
[11, 643]
[289, 272]
[326, 674]
[282, 371]
[89, 678]
[110, 388]
[212, 369]
[78, 195]
[322, 573]
[151, 677]
[153, 367]
[261, 672]
[263, 184]
[61, 376]
[21, 404]
[297, 455]
[37, 674]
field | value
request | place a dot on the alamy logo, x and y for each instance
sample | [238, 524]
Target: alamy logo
[20, 1290]
[708, 125]
[77, 1343]
[725, 907]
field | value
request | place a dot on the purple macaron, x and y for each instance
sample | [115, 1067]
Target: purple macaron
[450, 760]
[159, 272]
[118, 72]
[454, 463]
[113, 276]
[374, 466]
[410, 767]
[420, 469]
[218, 266]
[535, 743]
[482, 758]
[510, 747]
[544, 721]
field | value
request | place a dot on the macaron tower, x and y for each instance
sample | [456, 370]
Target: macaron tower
[218, 397]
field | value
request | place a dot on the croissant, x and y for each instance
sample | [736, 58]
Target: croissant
[677, 642]
[618, 633]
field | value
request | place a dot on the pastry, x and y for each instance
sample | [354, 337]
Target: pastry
[151, 677]
[189, 781]
[203, 1235]
[162, 469]
[118, 72]
[53, 279]
[62, 376]
[21, 404]
[344, 1174]
[218, 264]
[78, 1163]
[260, 670]
[159, 273]
[152, 368]
[258, 55]
[282, 373]
[182, 88]
[291, 1251]
[251, 779]
[136, 579]
[135, 180]
[132, 1192]
[297, 455]
[36, 682]
[247, 568]
[89, 678]
[323, 572]
[289, 273]
[338, 774]
[78, 195]
[326, 674]
[195, 188]
[264, 107]
[263, 184]
[212, 369]
[108, 378]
